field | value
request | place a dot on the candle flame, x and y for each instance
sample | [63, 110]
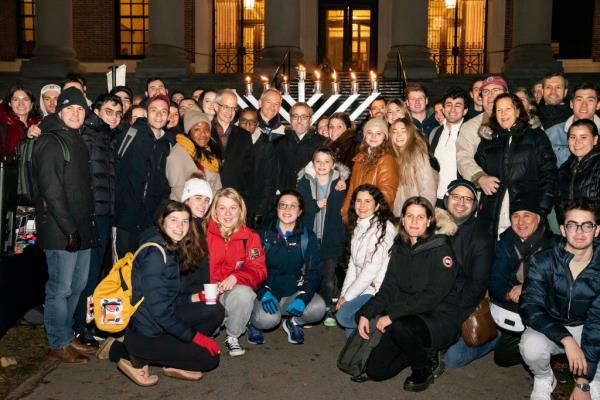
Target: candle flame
[284, 79]
[353, 76]
[247, 79]
[301, 67]
[317, 75]
[264, 79]
[373, 76]
[334, 76]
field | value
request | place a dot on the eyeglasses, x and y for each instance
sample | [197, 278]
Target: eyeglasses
[286, 206]
[461, 199]
[111, 113]
[226, 107]
[244, 121]
[486, 92]
[302, 118]
[586, 227]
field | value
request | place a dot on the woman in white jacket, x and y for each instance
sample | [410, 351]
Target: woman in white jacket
[373, 231]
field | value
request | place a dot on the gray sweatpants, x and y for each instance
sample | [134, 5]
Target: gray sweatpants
[238, 308]
[314, 311]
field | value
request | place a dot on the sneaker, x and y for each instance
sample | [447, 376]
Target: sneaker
[234, 347]
[255, 335]
[542, 388]
[295, 333]
[560, 367]
[329, 321]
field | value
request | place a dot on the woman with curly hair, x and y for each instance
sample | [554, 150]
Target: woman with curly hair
[342, 138]
[417, 167]
[374, 164]
[372, 228]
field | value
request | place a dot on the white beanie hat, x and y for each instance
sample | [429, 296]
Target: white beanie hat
[196, 187]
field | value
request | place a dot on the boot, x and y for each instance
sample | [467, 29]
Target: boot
[68, 355]
[182, 374]
[419, 380]
[83, 348]
[104, 349]
[140, 376]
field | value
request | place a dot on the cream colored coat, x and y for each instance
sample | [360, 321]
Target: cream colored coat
[180, 167]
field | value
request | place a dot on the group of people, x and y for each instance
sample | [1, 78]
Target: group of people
[403, 225]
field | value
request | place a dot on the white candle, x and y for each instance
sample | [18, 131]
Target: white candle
[353, 84]
[317, 82]
[374, 83]
[248, 86]
[285, 86]
[301, 73]
[335, 87]
[265, 82]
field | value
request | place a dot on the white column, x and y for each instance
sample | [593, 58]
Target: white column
[203, 22]
[53, 55]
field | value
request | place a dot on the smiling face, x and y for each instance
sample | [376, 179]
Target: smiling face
[374, 137]
[581, 141]
[476, 93]
[200, 134]
[323, 127]
[377, 108]
[460, 203]
[173, 118]
[365, 205]
[226, 109]
[415, 221]
[269, 105]
[208, 103]
[416, 101]
[323, 163]
[300, 116]
[50, 98]
[73, 116]
[21, 104]
[125, 100]
[198, 204]
[288, 209]
[186, 105]
[138, 113]
[228, 212]
[393, 112]
[336, 128]
[111, 113]
[488, 96]
[506, 113]
[155, 88]
[176, 225]
[454, 109]
[585, 103]
[579, 240]
[158, 113]
[554, 90]
[399, 134]
[524, 223]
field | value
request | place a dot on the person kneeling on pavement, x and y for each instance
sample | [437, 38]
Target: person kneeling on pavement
[560, 304]
[293, 275]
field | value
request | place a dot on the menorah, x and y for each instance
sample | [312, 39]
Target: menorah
[316, 94]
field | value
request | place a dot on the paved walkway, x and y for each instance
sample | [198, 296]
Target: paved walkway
[278, 370]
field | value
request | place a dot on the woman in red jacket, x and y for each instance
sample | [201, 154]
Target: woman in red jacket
[17, 113]
[237, 263]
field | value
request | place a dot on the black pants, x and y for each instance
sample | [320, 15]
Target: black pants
[404, 343]
[168, 351]
[507, 352]
[328, 280]
[126, 241]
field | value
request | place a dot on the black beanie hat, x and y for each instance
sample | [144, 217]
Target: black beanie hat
[525, 203]
[69, 97]
[462, 182]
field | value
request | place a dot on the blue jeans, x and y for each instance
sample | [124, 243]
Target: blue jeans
[67, 276]
[346, 314]
[459, 354]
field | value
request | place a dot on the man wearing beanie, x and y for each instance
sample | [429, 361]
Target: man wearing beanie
[65, 221]
[474, 250]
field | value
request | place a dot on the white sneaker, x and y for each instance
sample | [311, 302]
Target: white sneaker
[542, 388]
[595, 389]
[234, 347]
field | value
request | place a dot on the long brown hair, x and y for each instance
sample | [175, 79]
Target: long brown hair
[415, 154]
[429, 210]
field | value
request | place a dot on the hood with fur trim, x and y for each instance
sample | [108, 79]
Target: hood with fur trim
[445, 223]
[339, 171]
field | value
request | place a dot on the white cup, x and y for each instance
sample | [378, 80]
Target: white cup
[210, 293]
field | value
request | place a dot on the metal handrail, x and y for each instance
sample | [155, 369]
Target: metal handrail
[400, 71]
[284, 66]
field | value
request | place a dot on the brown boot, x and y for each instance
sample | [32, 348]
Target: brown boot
[140, 376]
[182, 374]
[83, 348]
[68, 355]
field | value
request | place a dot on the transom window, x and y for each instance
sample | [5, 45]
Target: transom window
[26, 27]
[132, 22]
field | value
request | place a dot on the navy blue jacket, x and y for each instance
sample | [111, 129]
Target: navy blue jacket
[551, 299]
[285, 263]
[159, 284]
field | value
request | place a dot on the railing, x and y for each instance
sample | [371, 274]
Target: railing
[285, 67]
[400, 71]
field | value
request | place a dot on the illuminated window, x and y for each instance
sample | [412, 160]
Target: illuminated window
[132, 35]
[26, 27]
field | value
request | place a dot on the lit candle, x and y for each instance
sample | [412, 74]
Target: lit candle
[353, 84]
[335, 87]
[374, 83]
[248, 86]
[265, 82]
[317, 82]
[285, 86]
[301, 73]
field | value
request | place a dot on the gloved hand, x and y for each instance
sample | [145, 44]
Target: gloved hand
[73, 242]
[206, 342]
[296, 307]
[269, 303]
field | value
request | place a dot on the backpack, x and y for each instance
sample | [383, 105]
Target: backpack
[112, 308]
[355, 353]
[127, 140]
[27, 187]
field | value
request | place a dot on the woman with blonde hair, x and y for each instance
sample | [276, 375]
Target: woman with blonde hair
[417, 168]
[237, 262]
[394, 110]
[374, 164]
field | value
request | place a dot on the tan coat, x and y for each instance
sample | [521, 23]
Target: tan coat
[180, 167]
[426, 186]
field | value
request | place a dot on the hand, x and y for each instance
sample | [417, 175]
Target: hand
[489, 184]
[340, 303]
[34, 131]
[363, 328]
[383, 322]
[207, 343]
[322, 203]
[269, 303]
[341, 185]
[577, 362]
[73, 242]
[296, 307]
[515, 293]
[227, 284]
[578, 394]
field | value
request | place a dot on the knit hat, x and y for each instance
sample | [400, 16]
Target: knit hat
[193, 117]
[525, 203]
[376, 123]
[196, 187]
[47, 88]
[462, 182]
[494, 80]
[69, 97]
[158, 97]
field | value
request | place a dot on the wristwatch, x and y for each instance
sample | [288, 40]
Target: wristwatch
[585, 387]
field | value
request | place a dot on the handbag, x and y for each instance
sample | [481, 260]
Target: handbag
[355, 353]
[479, 327]
[506, 319]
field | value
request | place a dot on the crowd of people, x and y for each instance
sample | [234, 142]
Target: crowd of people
[402, 225]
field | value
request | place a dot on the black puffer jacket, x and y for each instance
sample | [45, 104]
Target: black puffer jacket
[64, 204]
[526, 168]
[141, 181]
[262, 194]
[580, 178]
[293, 154]
[97, 138]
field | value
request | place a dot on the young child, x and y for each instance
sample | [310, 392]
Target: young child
[320, 183]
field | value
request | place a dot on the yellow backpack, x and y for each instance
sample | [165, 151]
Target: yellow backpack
[112, 308]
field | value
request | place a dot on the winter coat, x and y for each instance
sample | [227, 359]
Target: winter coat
[159, 284]
[334, 234]
[551, 299]
[526, 168]
[65, 204]
[558, 136]
[345, 147]
[242, 256]
[507, 262]
[579, 178]
[421, 281]
[368, 259]
[12, 130]
[237, 170]
[288, 270]
[141, 179]
[293, 155]
[428, 124]
[97, 138]
[425, 185]
[262, 196]
[466, 146]
[551, 115]
[384, 175]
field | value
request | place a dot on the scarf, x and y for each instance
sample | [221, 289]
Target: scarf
[202, 161]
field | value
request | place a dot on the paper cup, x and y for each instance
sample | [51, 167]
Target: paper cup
[211, 292]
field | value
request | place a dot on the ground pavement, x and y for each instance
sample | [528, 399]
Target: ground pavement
[279, 370]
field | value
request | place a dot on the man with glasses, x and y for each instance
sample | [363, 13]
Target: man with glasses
[232, 145]
[297, 147]
[560, 304]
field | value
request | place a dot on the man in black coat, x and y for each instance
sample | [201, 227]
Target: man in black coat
[232, 145]
[65, 220]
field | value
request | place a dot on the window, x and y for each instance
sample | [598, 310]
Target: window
[26, 27]
[132, 22]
